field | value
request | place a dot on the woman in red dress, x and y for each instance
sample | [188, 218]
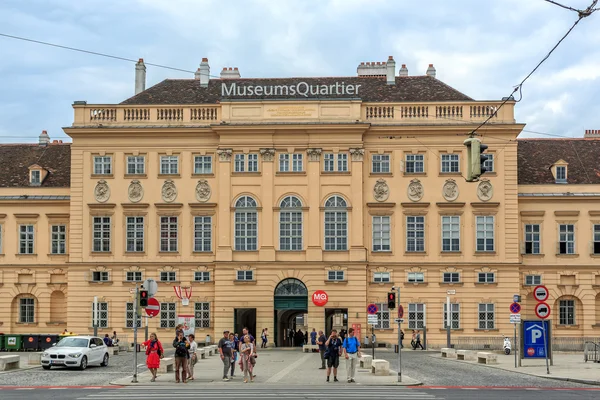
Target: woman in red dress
[154, 352]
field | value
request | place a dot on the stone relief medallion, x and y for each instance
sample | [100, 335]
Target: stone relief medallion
[203, 191]
[169, 191]
[267, 154]
[357, 154]
[102, 191]
[485, 191]
[381, 190]
[135, 191]
[415, 190]
[450, 190]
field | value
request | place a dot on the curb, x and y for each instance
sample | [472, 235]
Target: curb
[21, 369]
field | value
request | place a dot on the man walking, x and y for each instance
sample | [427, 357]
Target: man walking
[332, 354]
[225, 352]
[321, 342]
[351, 348]
[418, 341]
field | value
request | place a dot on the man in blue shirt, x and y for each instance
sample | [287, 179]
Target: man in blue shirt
[351, 348]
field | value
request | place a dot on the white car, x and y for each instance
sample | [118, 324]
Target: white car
[76, 351]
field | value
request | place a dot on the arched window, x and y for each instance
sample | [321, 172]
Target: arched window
[290, 224]
[246, 224]
[291, 287]
[336, 224]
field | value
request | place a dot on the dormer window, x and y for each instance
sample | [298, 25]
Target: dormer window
[561, 174]
[36, 178]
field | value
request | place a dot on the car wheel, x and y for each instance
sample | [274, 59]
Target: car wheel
[46, 366]
[105, 361]
[83, 364]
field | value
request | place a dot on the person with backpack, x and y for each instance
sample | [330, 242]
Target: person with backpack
[332, 354]
[181, 356]
[351, 348]
[154, 352]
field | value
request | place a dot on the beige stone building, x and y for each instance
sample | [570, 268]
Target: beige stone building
[257, 193]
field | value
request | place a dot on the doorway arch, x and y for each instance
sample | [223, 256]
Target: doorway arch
[290, 300]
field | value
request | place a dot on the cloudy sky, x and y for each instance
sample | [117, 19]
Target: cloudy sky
[481, 47]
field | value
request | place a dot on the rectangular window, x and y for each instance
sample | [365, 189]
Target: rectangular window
[252, 162]
[246, 230]
[416, 316]
[451, 277]
[415, 277]
[486, 277]
[335, 275]
[246, 275]
[533, 280]
[485, 233]
[100, 276]
[566, 239]
[336, 230]
[297, 163]
[450, 233]
[129, 316]
[26, 239]
[202, 233]
[532, 239]
[36, 177]
[168, 234]
[342, 162]
[202, 164]
[596, 244]
[381, 233]
[101, 238]
[169, 165]
[201, 276]
[136, 165]
[450, 163]
[383, 316]
[380, 163]
[102, 165]
[454, 316]
[489, 163]
[239, 163]
[133, 276]
[415, 163]
[202, 314]
[26, 310]
[102, 314]
[381, 277]
[290, 229]
[561, 174]
[59, 239]
[168, 276]
[168, 315]
[566, 310]
[486, 316]
[135, 234]
[415, 234]
[329, 162]
[284, 163]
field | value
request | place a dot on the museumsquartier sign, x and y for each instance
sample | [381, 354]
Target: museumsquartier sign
[296, 89]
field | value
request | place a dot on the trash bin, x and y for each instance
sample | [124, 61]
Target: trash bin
[31, 342]
[2, 342]
[46, 341]
[13, 342]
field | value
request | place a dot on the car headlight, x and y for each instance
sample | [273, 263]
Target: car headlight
[46, 355]
[75, 355]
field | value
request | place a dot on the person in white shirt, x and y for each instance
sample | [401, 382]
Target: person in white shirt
[193, 357]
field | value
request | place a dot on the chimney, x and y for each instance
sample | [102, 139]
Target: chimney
[230, 73]
[431, 71]
[204, 72]
[372, 69]
[592, 134]
[140, 76]
[390, 68]
[44, 139]
[403, 70]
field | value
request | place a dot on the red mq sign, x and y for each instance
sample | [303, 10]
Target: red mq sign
[320, 298]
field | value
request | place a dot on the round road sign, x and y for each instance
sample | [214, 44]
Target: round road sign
[153, 307]
[400, 311]
[372, 309]
[515, 308]
[540, 293]
[542, 310]
[320, 298]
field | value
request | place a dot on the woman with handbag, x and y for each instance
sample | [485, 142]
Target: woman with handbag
[193, 356]
[248, 361]
[154, 352]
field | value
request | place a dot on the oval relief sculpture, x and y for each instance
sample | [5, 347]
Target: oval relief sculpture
[169, 191]
[381, 190]
[135, 191]
[203, 191]
[415, 190]
[102, 191]
[450, 190]
[485, 191]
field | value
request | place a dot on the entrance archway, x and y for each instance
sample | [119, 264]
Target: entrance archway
[290, 301]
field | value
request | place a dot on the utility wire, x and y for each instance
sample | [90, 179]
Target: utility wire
[562, 5]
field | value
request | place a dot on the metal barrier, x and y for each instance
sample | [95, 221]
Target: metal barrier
[591, 352]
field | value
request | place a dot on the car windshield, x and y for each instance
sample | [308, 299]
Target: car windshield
[73, 342]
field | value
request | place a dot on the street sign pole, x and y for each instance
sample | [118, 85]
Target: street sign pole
[135, 320]
[372, 341]
[515, 343]
[146, 333]
[95, 322]
[399, 339]
[546, 345]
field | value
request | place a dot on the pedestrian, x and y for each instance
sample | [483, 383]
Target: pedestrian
[413, 340]
[321, 342]
[332, 354]
[154, 352]
[401, 339]
[418, 341]
[263, 336]
[178, 328]
[247, 356]
[225, 352]
[351, 348]
[182, 356]
[193, 356]
[107, 341]
[115, 339]
[291, 334]
[299, 338]
[313, 337]
[234, 353]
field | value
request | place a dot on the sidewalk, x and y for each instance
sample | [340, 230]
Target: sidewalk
[273, 367]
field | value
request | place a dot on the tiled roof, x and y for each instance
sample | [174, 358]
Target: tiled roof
[15, 160]
[372, 89]
[536, 157]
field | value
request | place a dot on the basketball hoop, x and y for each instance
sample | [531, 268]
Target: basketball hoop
[183, 293]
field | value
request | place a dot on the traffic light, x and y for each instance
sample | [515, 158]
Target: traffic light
[143, 298]
[475, 158]
[391, 300]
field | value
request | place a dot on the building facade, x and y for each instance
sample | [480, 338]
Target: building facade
[257, 193]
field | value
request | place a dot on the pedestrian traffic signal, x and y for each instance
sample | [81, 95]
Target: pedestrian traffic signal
[475, 158]
[143, 298]
[391, 300]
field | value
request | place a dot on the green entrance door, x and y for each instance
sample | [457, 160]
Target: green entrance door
[290, 299]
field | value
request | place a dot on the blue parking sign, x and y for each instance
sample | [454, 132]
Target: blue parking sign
[535, 333]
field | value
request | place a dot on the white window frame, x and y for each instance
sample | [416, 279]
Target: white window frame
[169, 226]
[101, 231]
[335, 162]
[336, 221]
[102, 314]
[100, 276]
[239, 162]
[27, 310]
[203, 233]
[290, 224]
[595, 239]
[134, 234]
[415, 234]
[244, 275]
[483, 239]
[380, 163]
[136, 165]
[454, 316]
[168, 276]
[381, 277]
[58, 240]
[414, 163]
[203, 165]
[26, 239]
[568, 237]
[168, 315]
[450, 163]
[201, 276]
[202, 314]
[246, 224]
[381, 233]
[450, 233]
[417, 312]
[532, 235]
[486, 316]
[451, 277]
[535, 280]
[415, 277]
[486, 277]
[383, 317]
[102, 165]
[36, 177]
[169, 165]
[129, 316]
[490, 163]
[566, 312]
[561, 177]
[132, 276]
[336, 275]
